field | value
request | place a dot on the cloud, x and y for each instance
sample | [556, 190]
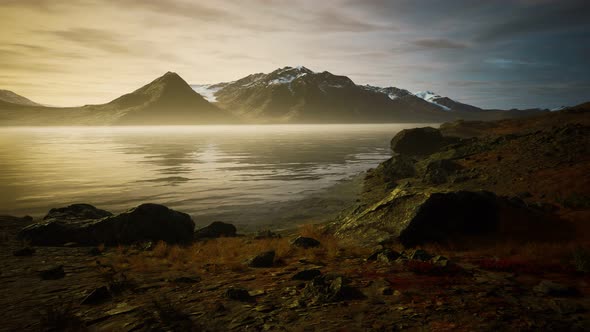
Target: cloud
[438, 44]
[93, 38]
[535, 17]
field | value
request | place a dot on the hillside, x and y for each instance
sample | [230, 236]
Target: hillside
[13, 98]
[168, 100]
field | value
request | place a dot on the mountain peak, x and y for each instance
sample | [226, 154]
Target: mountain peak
[13, 98]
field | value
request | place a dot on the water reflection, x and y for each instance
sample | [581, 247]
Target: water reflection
[197, 169]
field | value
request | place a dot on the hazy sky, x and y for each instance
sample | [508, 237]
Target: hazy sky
[526, 53]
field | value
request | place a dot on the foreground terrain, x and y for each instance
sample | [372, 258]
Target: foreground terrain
[476, 226]
[209, 286]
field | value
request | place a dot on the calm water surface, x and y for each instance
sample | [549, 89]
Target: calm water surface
[195, 169]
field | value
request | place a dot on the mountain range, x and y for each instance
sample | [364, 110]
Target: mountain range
[286, 95]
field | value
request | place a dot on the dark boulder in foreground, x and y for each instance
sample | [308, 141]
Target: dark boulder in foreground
[419, 141]
[305, 242]
[87, 225]
[216, 229]
[265, 259]
[418, 218]
[77, 212]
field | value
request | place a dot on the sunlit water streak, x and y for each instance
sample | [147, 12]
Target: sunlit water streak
[195, 169]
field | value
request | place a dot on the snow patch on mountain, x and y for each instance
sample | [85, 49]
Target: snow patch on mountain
[286, 79]
[207, 91]
[392, 93]
[431, 97]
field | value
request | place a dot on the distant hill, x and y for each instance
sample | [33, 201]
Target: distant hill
[13, 98]
[168, 100]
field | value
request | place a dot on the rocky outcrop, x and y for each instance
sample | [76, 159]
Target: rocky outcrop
[419, 141]
[437, 188]
[86, 225]
[417, 218]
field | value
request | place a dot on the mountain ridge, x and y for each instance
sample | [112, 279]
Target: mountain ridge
[285, 95]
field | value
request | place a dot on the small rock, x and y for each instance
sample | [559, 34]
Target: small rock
[265, 259]
[384, 255]
[330, 288]
[441, 261]
[98, 295]
[53, 273]
[306, 274]
[216, 229]
[28, 251]
[70, 244]
[419, 254]
[187, 280]
[267, 235]
[387, 291]
[238, 294]
[551, 288]
[94, 251]
[305, 242]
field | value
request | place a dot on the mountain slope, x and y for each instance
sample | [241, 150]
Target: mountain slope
[168, 100]
[299, 95]
[11, 97]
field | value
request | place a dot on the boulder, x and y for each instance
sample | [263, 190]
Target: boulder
[86, 225]
[305, 242]
[551, 288]
[419, 141]
[265, 259]
[438, 171]
[416, 218]
[77, 212]
[216, 229]
[238, 294]
[52, 273]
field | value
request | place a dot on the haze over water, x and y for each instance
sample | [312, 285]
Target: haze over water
[201, 170]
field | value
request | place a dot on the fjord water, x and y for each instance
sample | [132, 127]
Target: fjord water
[210, 172]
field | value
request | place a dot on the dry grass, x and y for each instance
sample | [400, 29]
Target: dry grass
[230, 254]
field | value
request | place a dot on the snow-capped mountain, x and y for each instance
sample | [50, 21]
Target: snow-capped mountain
[446, 103]
[300, 95]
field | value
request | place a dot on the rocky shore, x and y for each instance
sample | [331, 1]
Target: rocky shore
[473, 226]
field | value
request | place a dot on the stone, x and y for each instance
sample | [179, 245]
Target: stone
[216, 229]
[329, 288]
[551, 288]
[384, 255]
[147, 222]
[187, 280]
[419, 141]
[309, 274]
[238, 294]
[99, 295]
[418, 255]
[265, 259]
[28, 251]
[305, 242]
[438, 171]
[53, 273]
[267, 234]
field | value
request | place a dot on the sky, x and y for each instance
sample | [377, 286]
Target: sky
[492, 54]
